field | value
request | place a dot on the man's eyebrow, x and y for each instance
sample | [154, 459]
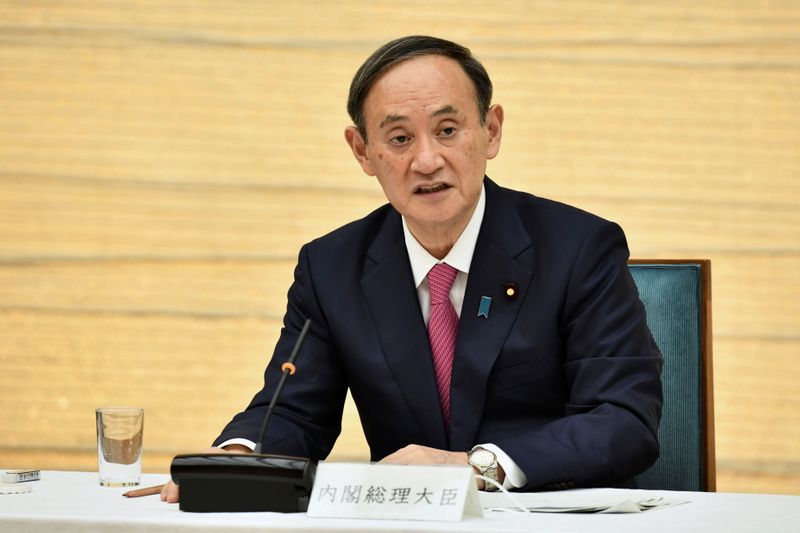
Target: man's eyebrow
[392, 118]
[446, 110]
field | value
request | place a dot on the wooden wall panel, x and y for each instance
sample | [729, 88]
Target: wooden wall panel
[253, 287]
[175, 114]
[88, 359]
[74, 219]
[167, 362]
[161, 162]
[757, 405]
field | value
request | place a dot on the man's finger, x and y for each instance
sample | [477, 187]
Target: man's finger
[170, 493]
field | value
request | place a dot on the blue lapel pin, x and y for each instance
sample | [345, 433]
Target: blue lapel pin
[483, 308]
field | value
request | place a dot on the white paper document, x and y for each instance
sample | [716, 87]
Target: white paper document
[580, 501]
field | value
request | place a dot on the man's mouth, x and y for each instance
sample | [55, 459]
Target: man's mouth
[432, 188]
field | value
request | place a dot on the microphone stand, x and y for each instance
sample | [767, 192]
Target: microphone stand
[287, 369]
[234, 482]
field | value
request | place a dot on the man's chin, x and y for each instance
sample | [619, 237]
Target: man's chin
[432, 219]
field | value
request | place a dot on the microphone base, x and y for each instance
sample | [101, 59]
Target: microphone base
[224, 483]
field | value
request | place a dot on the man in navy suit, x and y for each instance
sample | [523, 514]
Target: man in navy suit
[552, 379]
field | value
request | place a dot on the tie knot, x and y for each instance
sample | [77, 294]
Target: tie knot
[440, 280]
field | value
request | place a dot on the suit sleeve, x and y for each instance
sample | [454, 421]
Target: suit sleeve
[307, 418]
[612, 369]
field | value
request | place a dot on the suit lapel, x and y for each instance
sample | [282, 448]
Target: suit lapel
[393, 304]
[501, 241]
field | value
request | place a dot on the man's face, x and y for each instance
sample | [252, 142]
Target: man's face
[426, 144]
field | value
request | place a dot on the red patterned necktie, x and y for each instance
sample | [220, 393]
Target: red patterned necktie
[442, 329]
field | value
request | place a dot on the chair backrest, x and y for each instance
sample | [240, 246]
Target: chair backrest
[677, 297]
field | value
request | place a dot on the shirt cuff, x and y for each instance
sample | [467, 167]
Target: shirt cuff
[244, 442]
[515, 477]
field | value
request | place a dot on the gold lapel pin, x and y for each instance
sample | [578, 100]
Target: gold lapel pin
[510, 290]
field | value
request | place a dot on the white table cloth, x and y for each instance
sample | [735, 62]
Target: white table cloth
[74, 502]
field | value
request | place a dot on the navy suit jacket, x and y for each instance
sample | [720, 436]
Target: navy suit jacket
[564, 376]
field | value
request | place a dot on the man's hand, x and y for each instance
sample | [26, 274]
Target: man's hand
[171, 494]
[414, 454]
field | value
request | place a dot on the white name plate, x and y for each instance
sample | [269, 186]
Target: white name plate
[394, 492]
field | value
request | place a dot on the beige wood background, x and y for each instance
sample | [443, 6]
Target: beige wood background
[161, 162]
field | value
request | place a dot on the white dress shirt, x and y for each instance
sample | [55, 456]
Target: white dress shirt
[460, 258]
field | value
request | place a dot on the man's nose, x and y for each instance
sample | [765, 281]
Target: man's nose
[427, 156]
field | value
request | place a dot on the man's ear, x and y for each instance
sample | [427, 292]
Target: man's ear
[359, 148]
[494, 125]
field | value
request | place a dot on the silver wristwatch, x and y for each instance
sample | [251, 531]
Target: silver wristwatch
[486, 463]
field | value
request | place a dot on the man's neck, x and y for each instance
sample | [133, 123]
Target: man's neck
[439, 239]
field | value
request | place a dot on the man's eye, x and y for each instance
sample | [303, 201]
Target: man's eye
[449, 131]
[399, 139]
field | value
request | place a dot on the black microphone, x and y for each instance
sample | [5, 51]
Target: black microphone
[247, 482]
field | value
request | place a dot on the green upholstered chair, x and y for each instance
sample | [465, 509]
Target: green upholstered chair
[677, 297]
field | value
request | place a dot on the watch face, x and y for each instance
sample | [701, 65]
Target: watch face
[481, 458]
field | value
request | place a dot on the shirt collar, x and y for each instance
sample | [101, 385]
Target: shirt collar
[460, 255]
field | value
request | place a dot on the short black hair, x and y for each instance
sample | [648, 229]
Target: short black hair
[406, 48]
